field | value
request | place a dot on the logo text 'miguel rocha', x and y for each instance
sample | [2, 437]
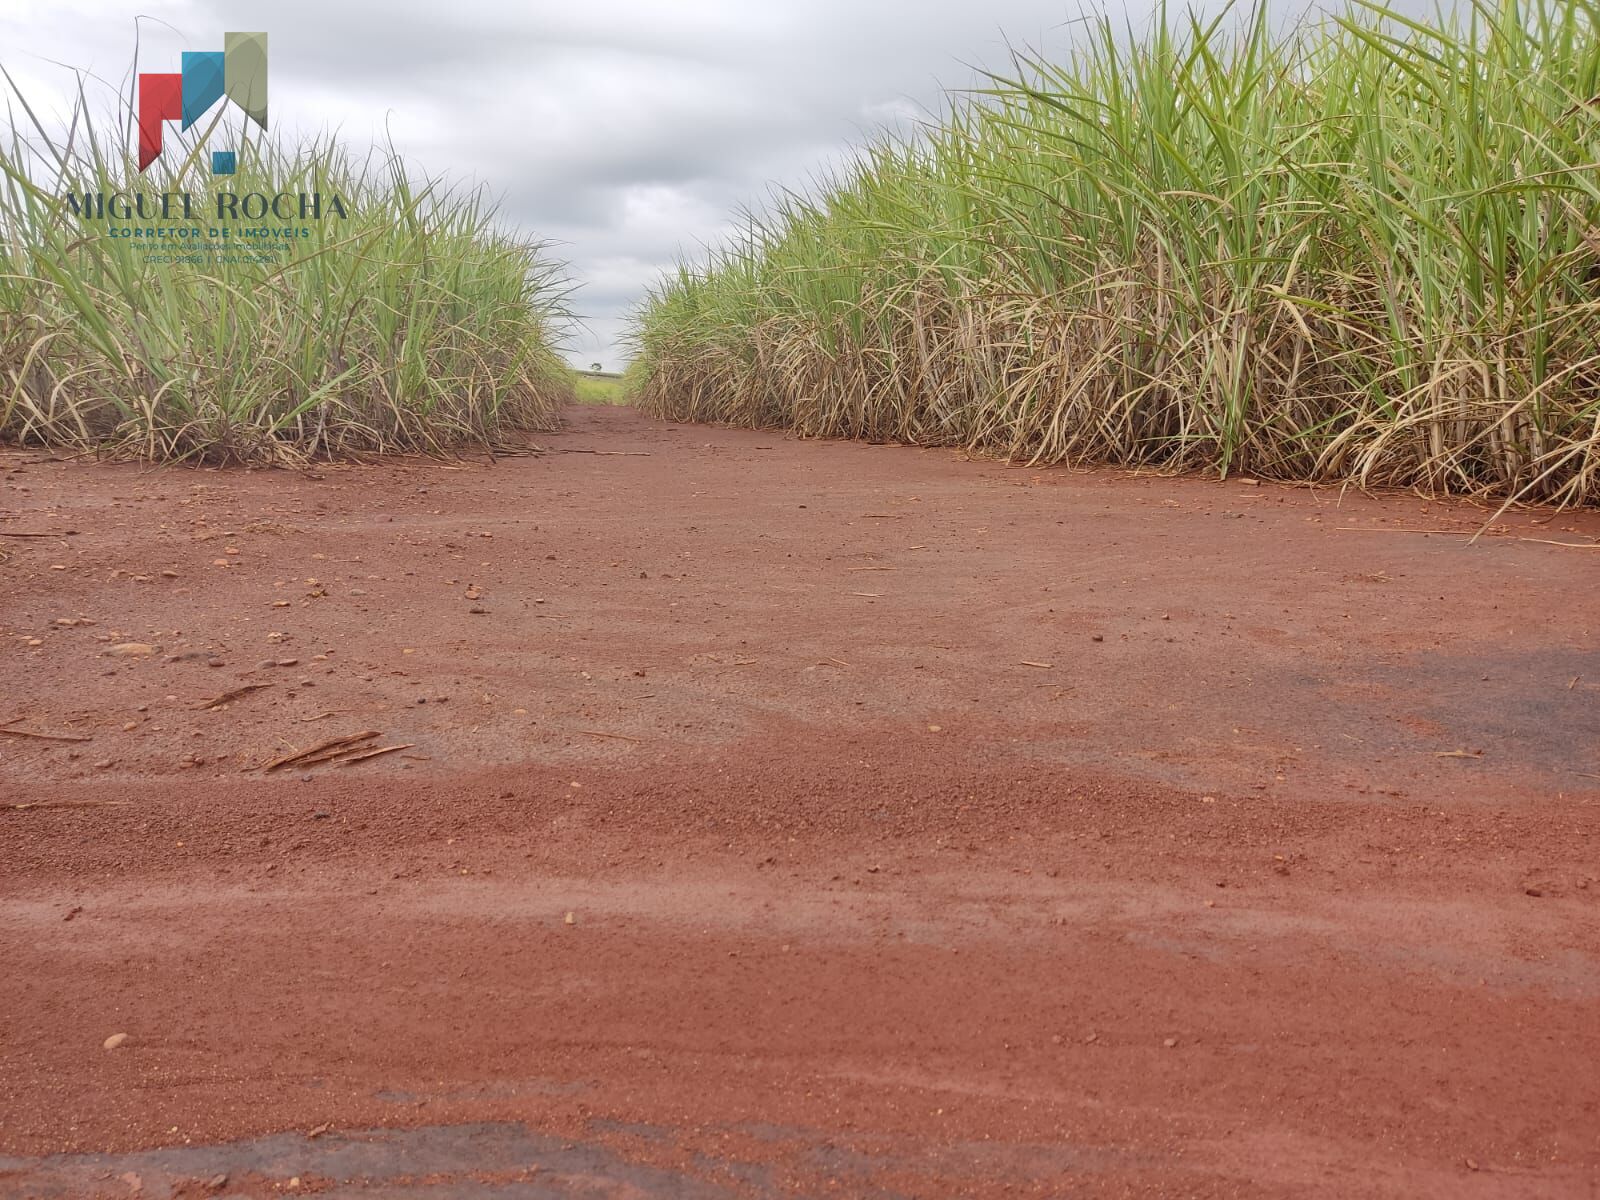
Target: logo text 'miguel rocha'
[223, 206]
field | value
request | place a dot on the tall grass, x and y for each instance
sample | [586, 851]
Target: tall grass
[412, 325]
[1363, 249]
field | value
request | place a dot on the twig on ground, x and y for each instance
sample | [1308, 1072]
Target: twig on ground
[24, 807]
[312, 754]
[46, 737]
[366, 754]
[236, 694]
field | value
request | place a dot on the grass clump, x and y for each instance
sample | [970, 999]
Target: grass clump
[1364, 249]
[412, 324]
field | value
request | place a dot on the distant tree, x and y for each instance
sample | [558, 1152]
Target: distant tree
[594, 367]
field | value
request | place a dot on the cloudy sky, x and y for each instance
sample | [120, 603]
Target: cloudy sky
[626, 131]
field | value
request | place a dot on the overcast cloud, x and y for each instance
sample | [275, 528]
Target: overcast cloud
[624, 130]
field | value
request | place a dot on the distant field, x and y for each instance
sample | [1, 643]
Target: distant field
[599, 387]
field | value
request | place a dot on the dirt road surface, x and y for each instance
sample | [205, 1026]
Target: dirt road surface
[791, 819]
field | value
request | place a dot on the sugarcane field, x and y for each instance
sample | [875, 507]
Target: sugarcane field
[799, 601]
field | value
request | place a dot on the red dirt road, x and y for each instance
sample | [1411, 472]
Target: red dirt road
[928, 828]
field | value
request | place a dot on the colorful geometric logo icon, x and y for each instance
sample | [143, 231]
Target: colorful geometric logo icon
[238, 71]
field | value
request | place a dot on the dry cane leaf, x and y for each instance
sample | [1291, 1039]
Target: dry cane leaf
[362, 756]
[299, 757]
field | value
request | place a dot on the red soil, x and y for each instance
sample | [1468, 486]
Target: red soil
[928, 828]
